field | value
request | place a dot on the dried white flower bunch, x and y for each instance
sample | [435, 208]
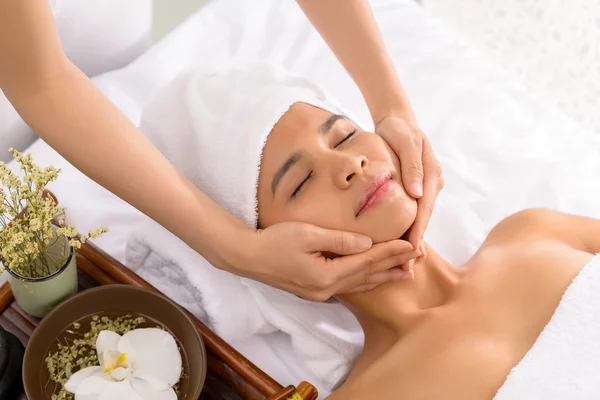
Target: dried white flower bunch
[26, 216]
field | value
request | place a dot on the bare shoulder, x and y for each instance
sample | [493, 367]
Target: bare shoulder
[528, 223]
[534, 224]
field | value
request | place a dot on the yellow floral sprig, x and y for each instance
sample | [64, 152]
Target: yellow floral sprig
[26, 217]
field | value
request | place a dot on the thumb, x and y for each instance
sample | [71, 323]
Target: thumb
[339, 242]
[412, 169]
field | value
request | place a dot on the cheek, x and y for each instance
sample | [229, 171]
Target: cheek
[377, 150]
[389, 154]
[321, 205]
[324, 209]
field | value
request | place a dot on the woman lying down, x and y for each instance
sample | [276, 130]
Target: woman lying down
[446, 331]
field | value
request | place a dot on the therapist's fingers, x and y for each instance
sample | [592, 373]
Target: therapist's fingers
[406, 140]
[304, 259]
[374, 269]
[411, 165]
[342, 274]
[380, 257]
[335, 242]
[393, 274]
[432, 185]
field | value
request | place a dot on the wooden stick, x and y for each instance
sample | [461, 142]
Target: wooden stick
[98, 275]
[284, 393]
[305, 390]
[234, 380]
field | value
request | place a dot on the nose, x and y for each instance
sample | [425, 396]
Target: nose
[349, 167]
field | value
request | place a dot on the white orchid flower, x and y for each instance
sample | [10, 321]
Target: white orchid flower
[143, 364]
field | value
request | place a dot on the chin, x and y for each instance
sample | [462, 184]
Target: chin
[392, 221]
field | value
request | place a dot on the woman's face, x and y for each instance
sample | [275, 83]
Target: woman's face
[319, 168]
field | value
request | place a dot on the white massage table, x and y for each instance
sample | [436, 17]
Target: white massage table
[502, 148]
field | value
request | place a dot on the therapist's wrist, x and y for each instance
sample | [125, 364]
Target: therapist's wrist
[247, 255]
[394, 105]
[221, 238]
[235, 247]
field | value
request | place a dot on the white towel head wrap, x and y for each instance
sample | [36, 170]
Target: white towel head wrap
[213, 126]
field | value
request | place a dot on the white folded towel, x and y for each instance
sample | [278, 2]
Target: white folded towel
[217, 298]
[564, 362]
[212, 126]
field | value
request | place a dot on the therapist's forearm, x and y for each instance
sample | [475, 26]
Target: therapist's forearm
[66, 110]
[79, 122]
[350, 30]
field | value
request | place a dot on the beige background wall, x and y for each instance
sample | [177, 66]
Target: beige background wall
[169, 13]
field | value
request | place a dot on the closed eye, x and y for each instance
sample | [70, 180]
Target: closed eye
[301, 184]
[348, 136]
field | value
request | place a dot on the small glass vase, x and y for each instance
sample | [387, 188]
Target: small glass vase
[37, 296]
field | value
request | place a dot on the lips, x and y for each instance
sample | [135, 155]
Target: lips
[375, 192]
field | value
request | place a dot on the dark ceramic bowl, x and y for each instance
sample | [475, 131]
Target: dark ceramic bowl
[114, 301]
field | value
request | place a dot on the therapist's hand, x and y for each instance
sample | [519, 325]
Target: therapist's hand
[421, 172]
[298, 258]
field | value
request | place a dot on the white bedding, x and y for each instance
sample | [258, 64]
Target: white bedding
[502, 149]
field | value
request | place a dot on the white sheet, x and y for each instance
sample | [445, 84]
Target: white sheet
[502, 149]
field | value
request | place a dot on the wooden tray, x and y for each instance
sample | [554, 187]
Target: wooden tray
[230, 375]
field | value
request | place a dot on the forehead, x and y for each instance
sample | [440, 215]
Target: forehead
[296, 127]
[301, 118]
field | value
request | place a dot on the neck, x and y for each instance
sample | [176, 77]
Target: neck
[392, 310]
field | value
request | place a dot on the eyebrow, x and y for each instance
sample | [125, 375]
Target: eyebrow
[327, 125]
[294, 158]
[285, 167]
